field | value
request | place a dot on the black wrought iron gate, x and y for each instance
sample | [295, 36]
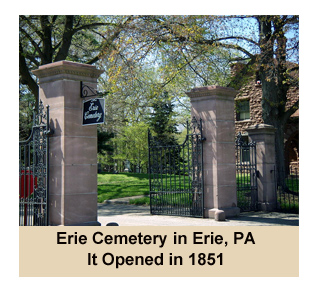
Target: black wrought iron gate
[246, 175]
[176, 174]
[33, 172]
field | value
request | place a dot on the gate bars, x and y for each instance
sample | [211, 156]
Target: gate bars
[246, 168]
[33, 172]
[176, 174]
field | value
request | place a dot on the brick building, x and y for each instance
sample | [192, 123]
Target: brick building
[248, 111]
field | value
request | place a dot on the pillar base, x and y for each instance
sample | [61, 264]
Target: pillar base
[229, 212]
[267, 206]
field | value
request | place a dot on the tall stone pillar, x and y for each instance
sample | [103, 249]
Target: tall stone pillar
[72, 147]
[264, 136]
[215, 105]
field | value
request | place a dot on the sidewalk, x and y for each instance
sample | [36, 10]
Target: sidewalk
[124, 214]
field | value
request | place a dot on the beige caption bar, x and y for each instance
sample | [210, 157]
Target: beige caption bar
[159, 251]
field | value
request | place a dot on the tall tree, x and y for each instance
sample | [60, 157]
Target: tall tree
[274, 56]
[164, 128]
[162, 122]
[45, 39]
[132, 145]
[104, 144]
[276, 79]
[267, 42]
[178, 50]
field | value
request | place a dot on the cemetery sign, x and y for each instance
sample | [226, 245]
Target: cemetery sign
[93, 111]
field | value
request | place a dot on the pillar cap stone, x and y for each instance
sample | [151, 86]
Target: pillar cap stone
[211, 90]
[67, 70]
[261, 128]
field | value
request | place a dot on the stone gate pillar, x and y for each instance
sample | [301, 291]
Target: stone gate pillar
[215, 105]
[264, 136]
[72, 147]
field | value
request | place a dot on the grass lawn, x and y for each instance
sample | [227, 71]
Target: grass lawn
[112, 186]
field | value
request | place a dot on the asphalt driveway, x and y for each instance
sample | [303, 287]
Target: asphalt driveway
[131, 215]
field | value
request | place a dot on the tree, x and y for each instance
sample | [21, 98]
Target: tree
[164, 129]
[45, 39]
[161, 121]
[103, 141]
[148, 59]
[266, 42]
[276, 79]
[25, 109]
[146, 55]
[276, 73]
[132, 145]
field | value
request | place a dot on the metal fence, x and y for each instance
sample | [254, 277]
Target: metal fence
[33, 172]
[176, 175]
[246, 175]
[288, 192]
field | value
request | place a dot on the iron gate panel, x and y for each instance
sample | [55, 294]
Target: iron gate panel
[176, 174]
[33, 172]
[246, 168]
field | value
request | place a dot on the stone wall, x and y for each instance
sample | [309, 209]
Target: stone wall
[253, 92]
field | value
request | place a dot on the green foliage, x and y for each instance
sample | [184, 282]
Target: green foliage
[26, 104]
[111, 186]
[45, 39]
[103, 138]
[162, 122]
[144, 56]
[288, 206]
[131, 144]
[140, 201]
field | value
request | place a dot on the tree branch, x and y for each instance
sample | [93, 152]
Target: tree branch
[37, 48]
[236, 47]
[47, 39]
[26, 78]
[108, 41]
[237, 38]
[66, 39]
[93, 25]
[291, 110]
[194, 70]
[238, 79]
[31, 24]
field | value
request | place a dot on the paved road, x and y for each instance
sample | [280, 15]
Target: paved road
[131, 215]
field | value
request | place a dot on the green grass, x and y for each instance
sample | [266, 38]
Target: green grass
[288, 206]
[111, 186]
[293, 184]
[140, 201]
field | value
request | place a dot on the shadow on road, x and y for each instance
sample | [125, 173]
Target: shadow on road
[133, 213]
[269, 218]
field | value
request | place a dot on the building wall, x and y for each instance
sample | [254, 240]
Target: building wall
[253, 92]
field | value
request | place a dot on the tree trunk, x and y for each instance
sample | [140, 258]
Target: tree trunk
[47, 40]
[26, 78]
[66, 40]
[274, 91]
